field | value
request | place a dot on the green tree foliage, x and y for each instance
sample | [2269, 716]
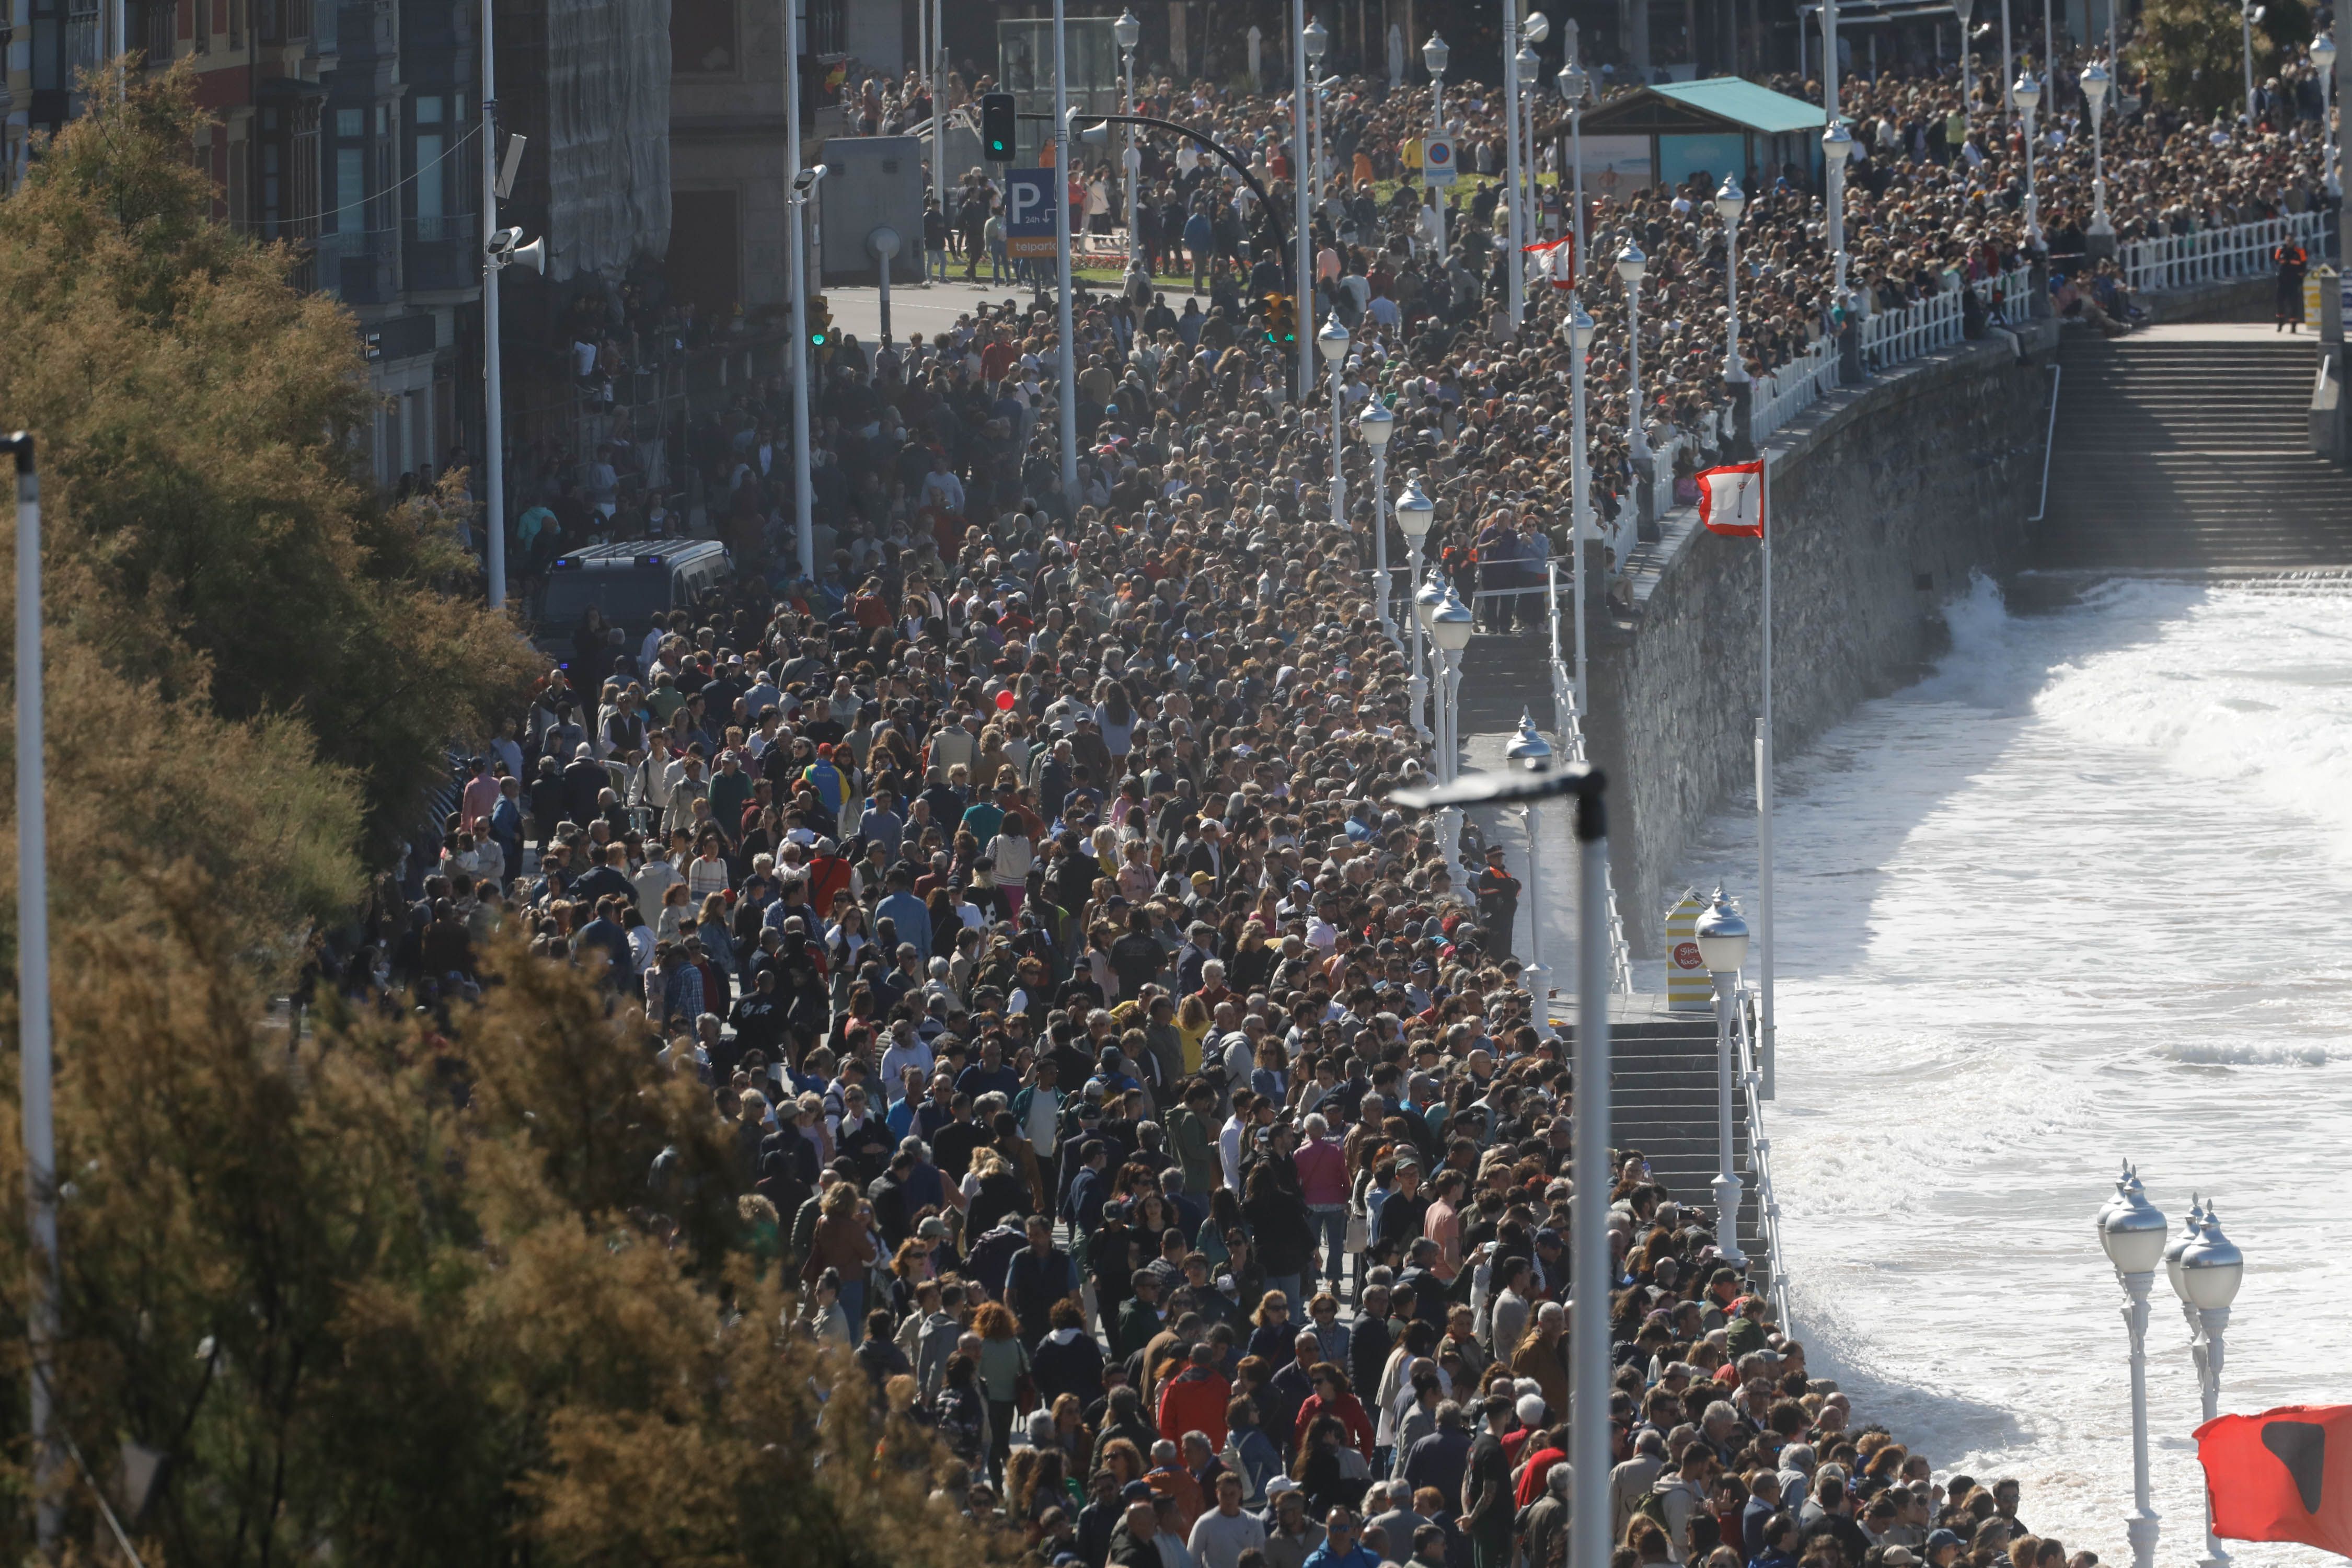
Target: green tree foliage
[398, 1291]
[210, 535]
[2194, 53]
[390, 1289]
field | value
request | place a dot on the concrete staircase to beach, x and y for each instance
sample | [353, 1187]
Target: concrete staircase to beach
[1663, 1102]
[1505, 674]
[2176, 452]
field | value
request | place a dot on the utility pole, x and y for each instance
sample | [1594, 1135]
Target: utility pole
[1068, 378]
[1516, 290]
[1303, 286]
[795, 240]
[32, 993]
[493, 422]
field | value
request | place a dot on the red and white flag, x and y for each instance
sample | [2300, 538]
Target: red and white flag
[1557, 258]
[1731, 500]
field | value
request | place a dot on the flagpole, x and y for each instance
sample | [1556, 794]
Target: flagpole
[1764, 782]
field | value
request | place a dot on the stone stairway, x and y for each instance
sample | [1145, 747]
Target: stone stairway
[2181, 452]
[1663, 1102]
[1505, 674]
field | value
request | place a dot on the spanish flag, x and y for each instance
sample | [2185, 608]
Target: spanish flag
[2284, 1475]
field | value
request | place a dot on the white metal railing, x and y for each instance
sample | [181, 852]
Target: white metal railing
[1891, 337]
[1662, 469]
[1793, 388]
[1888, 337]
[2013, 292]
[2213, 255]
[1759, 1157]
[1569, 727]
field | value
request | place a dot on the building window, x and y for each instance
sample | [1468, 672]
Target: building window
[351, 189]
[428, 186]
[350, 124]
[701, 36]
[383, 212]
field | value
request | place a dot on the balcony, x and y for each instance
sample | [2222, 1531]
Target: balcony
[444, 252]
[360, 266]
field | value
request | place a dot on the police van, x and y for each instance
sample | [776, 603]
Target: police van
[628, 583]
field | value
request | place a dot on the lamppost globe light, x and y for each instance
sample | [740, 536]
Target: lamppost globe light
[2211, 1267]
[1127, 31]
[1571, 81]
[2192, 1231]
[1332, 339]
[1730, 201]
[1632, 265]
[1837, 142]
[1414, 511]
[1449, 622]
[1528, 747]
[1316, 39]
[1376, 425]
[2322, 53]
[1433, 56]
[2095, 83]
[1536, 28]
[1722, 938]
[2132, 1229]
[1579, 330]
[2027, 92]
[1425, 601]
[1529, 64]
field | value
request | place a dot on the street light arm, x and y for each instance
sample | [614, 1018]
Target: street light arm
[1478, 789]
[1265, 203]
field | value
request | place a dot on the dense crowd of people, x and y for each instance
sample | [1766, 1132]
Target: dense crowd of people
[1153, 1114]
[1183, 400]
[1156, 1122]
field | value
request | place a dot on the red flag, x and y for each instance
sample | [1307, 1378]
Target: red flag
[1731, 500]
[2284, 1475]
[1558, 259]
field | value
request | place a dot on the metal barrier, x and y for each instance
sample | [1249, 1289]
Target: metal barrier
[1794, 387]
[1775, 1283]
[1571, 730]
[1888, 338]
[1891, 337]
[2013, 292]
[2215, 255]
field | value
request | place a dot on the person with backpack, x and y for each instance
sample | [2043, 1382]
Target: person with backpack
[958, 1413]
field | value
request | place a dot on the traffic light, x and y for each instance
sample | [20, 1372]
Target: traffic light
[1281, 321]
[996, 125]
[820, 327]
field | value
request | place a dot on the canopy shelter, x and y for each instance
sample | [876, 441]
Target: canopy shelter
[1725, 124]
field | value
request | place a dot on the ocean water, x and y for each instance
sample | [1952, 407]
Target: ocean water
[2079, 896]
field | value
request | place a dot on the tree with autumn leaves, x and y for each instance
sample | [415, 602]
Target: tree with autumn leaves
[384, 1287]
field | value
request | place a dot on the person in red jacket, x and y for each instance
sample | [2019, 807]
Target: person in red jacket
[1194, 1399]
[1333, 1398]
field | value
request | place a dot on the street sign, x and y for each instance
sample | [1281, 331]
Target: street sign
[1029, 195]
[1437, 160]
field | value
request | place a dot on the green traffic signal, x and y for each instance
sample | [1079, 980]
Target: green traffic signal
[997, 130]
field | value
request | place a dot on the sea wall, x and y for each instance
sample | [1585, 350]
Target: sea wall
[1884, 498]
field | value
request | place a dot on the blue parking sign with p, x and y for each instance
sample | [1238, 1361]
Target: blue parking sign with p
[1029, 196]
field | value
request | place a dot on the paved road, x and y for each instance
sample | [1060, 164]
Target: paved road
[929, 309]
